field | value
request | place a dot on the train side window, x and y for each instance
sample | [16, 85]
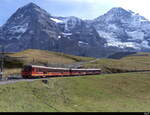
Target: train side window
[37, 69]
[34, 69]
[49, 70]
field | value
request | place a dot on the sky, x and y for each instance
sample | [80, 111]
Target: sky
[85, 9]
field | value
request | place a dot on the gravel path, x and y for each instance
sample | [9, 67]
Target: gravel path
[20, 80]
[14, 81]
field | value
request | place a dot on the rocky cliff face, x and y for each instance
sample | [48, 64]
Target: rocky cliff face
[117, 30]
[83, 34]
[29, 27]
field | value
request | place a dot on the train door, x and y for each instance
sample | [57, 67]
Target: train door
[45, 72]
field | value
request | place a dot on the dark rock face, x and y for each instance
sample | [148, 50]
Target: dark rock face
[83, 35]
[31, 27]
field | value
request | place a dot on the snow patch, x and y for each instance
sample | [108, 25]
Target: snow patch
[144, 44]
[66, 34]
[112, 40]
[110, 37]
[81, 42]
[59, 37]
[124, 45]
[112, 26]
[20, 29]
[56, 20]
[136, 35]
[71, 22]
[134, 45]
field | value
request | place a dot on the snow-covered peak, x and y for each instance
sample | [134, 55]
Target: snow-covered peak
[31, 9]
[117, 10]
[121, 15]
[123, 29]
[30, 5]
[113, 15]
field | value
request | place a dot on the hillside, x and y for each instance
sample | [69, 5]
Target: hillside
[120, 55]
[40, 57]
[33, 56]
[103, 93]
[135, 62]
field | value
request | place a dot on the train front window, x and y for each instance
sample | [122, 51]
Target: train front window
[27, 68]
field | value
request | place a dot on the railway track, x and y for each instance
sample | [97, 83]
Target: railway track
[15, 80]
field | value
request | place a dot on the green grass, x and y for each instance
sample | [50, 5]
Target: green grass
[102, 93]
[139, 61]
[32, 56]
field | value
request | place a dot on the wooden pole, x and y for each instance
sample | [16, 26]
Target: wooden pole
[2, 62]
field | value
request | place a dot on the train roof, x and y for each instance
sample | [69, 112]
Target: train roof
[86, 69]
[48, 67]
[59, 68]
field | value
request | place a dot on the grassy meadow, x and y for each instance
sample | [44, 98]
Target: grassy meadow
[129, 92]
[139, 61]
[124, 92]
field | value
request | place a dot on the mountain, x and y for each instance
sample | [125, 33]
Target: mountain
[31, 27]
[119, 30]
[83, 34]
[124, 29]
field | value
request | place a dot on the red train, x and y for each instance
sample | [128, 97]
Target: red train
[34, 71]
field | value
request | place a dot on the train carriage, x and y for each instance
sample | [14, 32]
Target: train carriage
[34, 71]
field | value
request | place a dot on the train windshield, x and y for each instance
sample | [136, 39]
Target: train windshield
[27, 68]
